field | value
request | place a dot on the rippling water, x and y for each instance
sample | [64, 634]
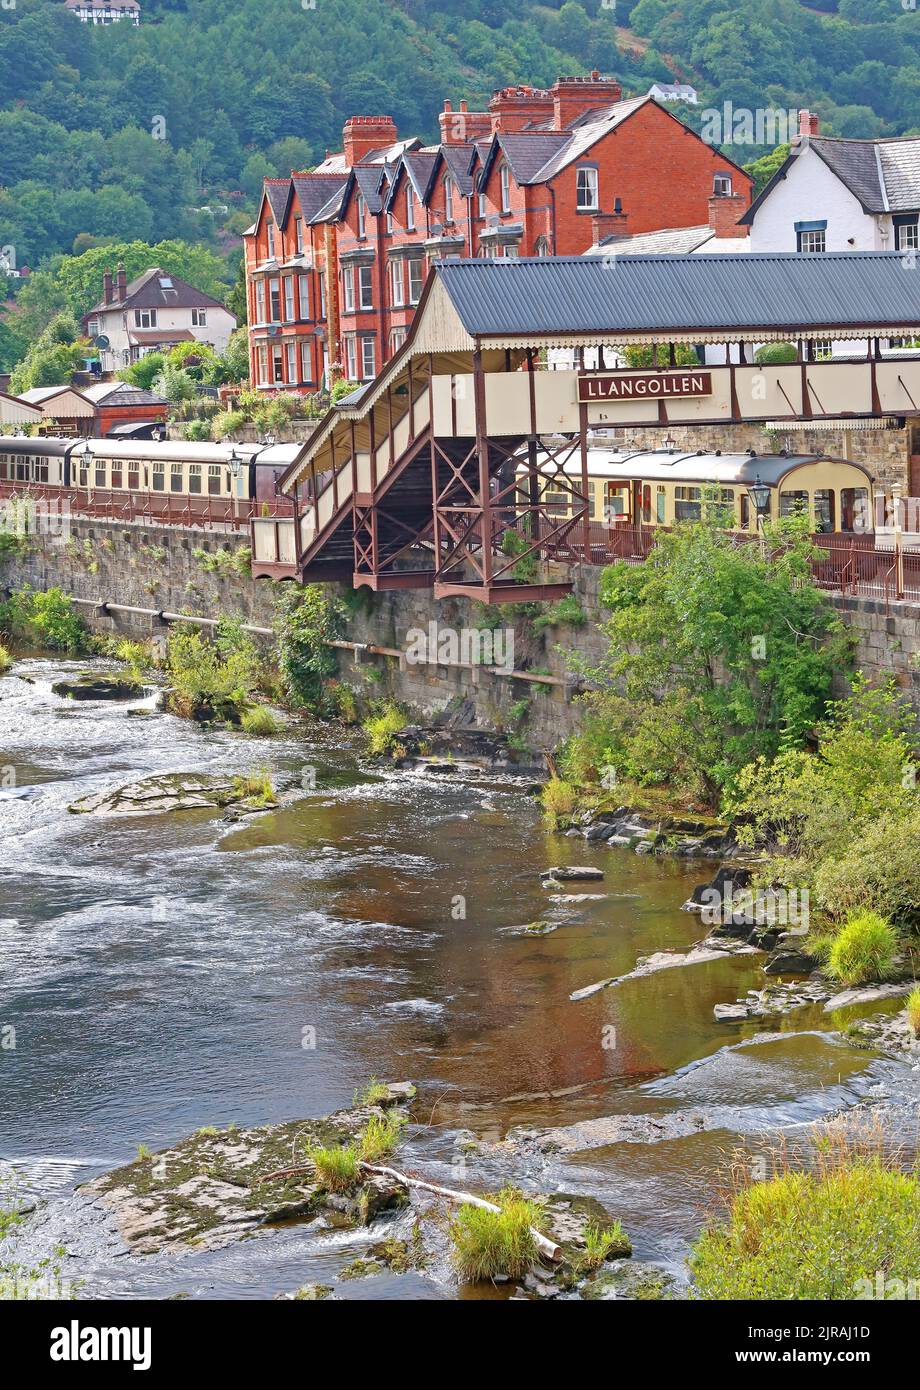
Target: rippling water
[161, 971]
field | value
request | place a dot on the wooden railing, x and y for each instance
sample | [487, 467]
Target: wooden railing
[152, 509]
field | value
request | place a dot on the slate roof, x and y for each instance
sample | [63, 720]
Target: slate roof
[314, 190]
[591, 294]
[673, 241]
[457, 158]
[148, 291]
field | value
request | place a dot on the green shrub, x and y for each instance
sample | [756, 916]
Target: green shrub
[526, 569]
[381, 1136]
[196, 430]
[228, 424]
[566, 612]
[601, 1244]
[864, 949]
[381, 727]
[336, 1168]
[260, 722]
[309, 618]
[6, 659]
[880, 870]
[913, 1011]
[490, 1243]
[813, 1235]
[558, 799]
[207, 675]
[255, 788]
[46, 619]
[773, 354]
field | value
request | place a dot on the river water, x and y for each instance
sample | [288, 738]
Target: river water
[164, 973]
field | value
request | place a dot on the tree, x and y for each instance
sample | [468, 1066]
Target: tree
[53, 357]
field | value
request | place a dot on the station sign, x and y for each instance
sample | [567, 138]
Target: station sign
[627, 386]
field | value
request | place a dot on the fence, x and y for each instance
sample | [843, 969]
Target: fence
[151, 509]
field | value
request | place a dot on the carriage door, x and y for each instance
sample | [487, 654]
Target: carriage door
[618, 504]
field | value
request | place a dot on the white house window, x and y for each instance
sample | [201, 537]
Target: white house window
[277, 364]
[270, 239]
[351, 357]
[481, 200]
[448, 198]
[262, 364]
[348, 282]
[93, 327]
[812, 241]
[410, 210]
[145, 318]
[260, 301]
[298, 235]
[322, 294]
[199, 318]
[505, 176]
[586, 189]
[722, 185]
[906, 237]
[291, 355]
[306, 361]
[288, 298]
[416, 279]
[303, 290]
[397, 284]
[397, 338]
[542, 247]
[362, 219]
[365, 287]
[389, 222]
[274, 300]
[368, 359]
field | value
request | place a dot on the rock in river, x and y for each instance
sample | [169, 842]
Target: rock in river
[179, 791]
[98, 688]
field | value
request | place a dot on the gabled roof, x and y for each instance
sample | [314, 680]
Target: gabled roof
[41, 395]
[278, 192]
[526, 153]
[457, 159]
[369, 179]
[157, 289]
[883, 175]
[419, 169]
[332, 209]
[584, 295]
[111, 393]
[314, 190]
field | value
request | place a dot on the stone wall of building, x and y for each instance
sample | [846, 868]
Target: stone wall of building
[184, 571]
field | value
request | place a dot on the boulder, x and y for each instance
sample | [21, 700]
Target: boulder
[575, 873]
[788, 961]
[98, 688]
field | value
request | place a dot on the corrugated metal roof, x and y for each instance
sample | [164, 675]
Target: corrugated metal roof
[621, 294]
[679, 466]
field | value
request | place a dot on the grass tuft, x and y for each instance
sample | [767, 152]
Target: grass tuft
[864, 949]
[489, 1243]
[336, 1168]
[601, 1244]
[558, 800]
[913, 1010]
[259, 721]
[381, 1136]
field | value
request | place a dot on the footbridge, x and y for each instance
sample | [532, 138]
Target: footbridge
[511, 366]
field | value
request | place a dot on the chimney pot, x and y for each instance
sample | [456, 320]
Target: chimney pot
[107, 287]
[121, 283]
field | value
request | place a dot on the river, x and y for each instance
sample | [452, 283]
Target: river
[164, 973]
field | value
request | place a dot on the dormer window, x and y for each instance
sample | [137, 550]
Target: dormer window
[505, 175]
[586, 189]
[448, 198]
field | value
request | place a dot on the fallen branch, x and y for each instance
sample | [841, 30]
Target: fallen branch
[546, 1247]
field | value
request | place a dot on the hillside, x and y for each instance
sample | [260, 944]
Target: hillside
[167, 130]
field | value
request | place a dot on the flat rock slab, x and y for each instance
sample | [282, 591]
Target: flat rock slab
[180, 791]
[205, 1192]
[574, 873]
[98, 688]
[607, 1130]
[784, 998]
[669, 960]
[636, 1280]
[868, 994]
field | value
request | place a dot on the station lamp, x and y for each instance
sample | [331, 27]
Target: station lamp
[759, 494]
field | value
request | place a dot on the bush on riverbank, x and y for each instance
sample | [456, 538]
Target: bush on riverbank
[864, 949]
[720, 651]
[6, 659]
[259, 722]
[308, 620]
[44, 619]
[913, 1011]
[558, 799]
[491, 1243]
[821, 1233]
[212, 680]
[381, 727]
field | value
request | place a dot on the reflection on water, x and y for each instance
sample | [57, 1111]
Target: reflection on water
[161, 972]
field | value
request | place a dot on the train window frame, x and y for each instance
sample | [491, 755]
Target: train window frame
[688, 502]
[100, 473]
[134, 475]
[158, 470]
[850, 510]
[176, 470]
[661, 505]
[194, 480]
[214, 476]
[801, 501]
[117, 478]
[824, 525]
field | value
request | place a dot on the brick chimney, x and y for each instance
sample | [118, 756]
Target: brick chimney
[121, 284]
[808, 125]
[605, 224]
[514, 108]
[573, 96]
[724, 211]
[107, 287]
[361, 134]
[463, 126]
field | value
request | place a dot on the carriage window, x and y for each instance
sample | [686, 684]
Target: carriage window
[3, 472]
[116, 474]
[99, 473]
[687, 504]
[556, 501]
[194, 477]
[854, 509]
[82, 475]
[41, 470]
[793, 502]
[647, 504]
[134, 476]
[175, 477]
[22, 471]
[214, 472]
[824, 509]
[159, 476]
[745, 512]
[617, 505]
[661, 505]
[592, 502]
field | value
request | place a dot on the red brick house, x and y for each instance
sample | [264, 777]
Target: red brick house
[337, 258]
